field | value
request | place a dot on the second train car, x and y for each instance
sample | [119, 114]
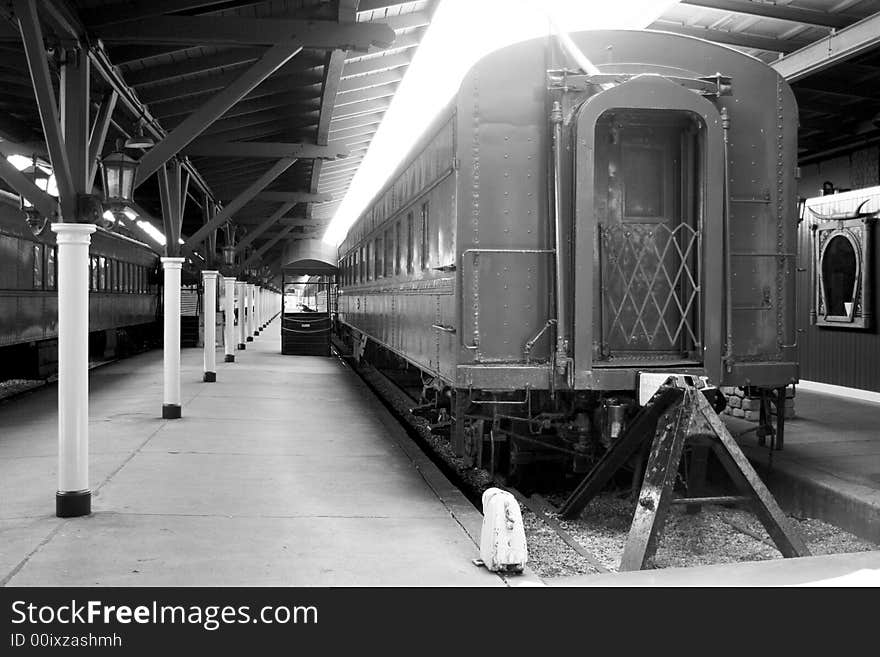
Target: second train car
[556, 234]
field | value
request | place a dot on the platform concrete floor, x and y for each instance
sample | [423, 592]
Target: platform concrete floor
[285, 472]
[830, 465]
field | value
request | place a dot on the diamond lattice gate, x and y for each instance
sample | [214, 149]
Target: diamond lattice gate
[650, 292]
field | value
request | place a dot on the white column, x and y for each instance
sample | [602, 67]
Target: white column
[229, 318]
[249, 302]
[259, 309]
[73, 498]
[210, 304]
[242, 306]
[171, 342]
[254, 326]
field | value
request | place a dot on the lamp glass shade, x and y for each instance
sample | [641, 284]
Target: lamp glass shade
[118, 171]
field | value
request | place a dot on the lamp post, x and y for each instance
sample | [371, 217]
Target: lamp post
[118, 172]
[35, 221]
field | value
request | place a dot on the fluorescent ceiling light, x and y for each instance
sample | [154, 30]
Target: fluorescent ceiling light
[155, 234]
[461, 32]
[20, 162]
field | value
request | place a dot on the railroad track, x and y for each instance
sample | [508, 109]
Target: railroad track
[540, 507]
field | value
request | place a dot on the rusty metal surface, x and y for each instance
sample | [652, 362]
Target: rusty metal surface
[495, 212]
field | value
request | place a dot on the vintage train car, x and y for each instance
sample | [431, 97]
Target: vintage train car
[123, 297]
[555, 234]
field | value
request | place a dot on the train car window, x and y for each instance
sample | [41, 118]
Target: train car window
[38, 266]
[644, 176]
[389, 252]
[93, 267]
[371, 255]
[50, 267]
[410, 243]
[426, 242]
[114, 274]
[397, 232]
[102, 273]
[362, 276]
[378, 258]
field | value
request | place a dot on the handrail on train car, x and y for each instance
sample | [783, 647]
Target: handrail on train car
[477, 251]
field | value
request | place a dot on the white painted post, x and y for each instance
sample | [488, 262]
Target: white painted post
[259, 309]
[242, 306]
[249, 315]
[229, 317]
[73, 498]
[171, 341]
[210, 304]
[253, 325]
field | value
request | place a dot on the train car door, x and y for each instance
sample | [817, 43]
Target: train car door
[649, 208]
[649, 233]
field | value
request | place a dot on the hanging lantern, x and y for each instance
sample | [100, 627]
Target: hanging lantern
[229, 255]
[118, 171]
[35, 221]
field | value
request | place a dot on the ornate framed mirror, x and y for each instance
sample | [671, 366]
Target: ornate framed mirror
[842, 270]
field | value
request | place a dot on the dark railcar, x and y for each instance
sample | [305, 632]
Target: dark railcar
[556, 234]
[123, 295]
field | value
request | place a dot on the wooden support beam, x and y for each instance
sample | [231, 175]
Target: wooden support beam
[359, 109]
[373, 93]
[274, 150]
[359, 121]
[656, 492]
[193, 65]
[375, 65]
[99, 134]
[394, 76]
[741, 39]
[778, 11]
[32, 38]
[241, 200]
[273, 219]
[295, 197]
[256, 255]
[351, 136]
[139, 9]
[333, 69]
[293, 75]
[213, 109]
[239, 31]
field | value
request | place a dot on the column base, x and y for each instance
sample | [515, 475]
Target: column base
[250, 338]
[170, 411]
[229, 358]
[73, 504]
[210, 377]
[242, 346]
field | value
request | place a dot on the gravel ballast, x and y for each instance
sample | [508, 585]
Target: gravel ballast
[716, 535]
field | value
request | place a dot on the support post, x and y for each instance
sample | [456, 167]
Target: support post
[259, 318]
[210, 305]
[253, 325]
[229, 318]
[73, 498]
[249, 315]
[242, 306]
[171, 344]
